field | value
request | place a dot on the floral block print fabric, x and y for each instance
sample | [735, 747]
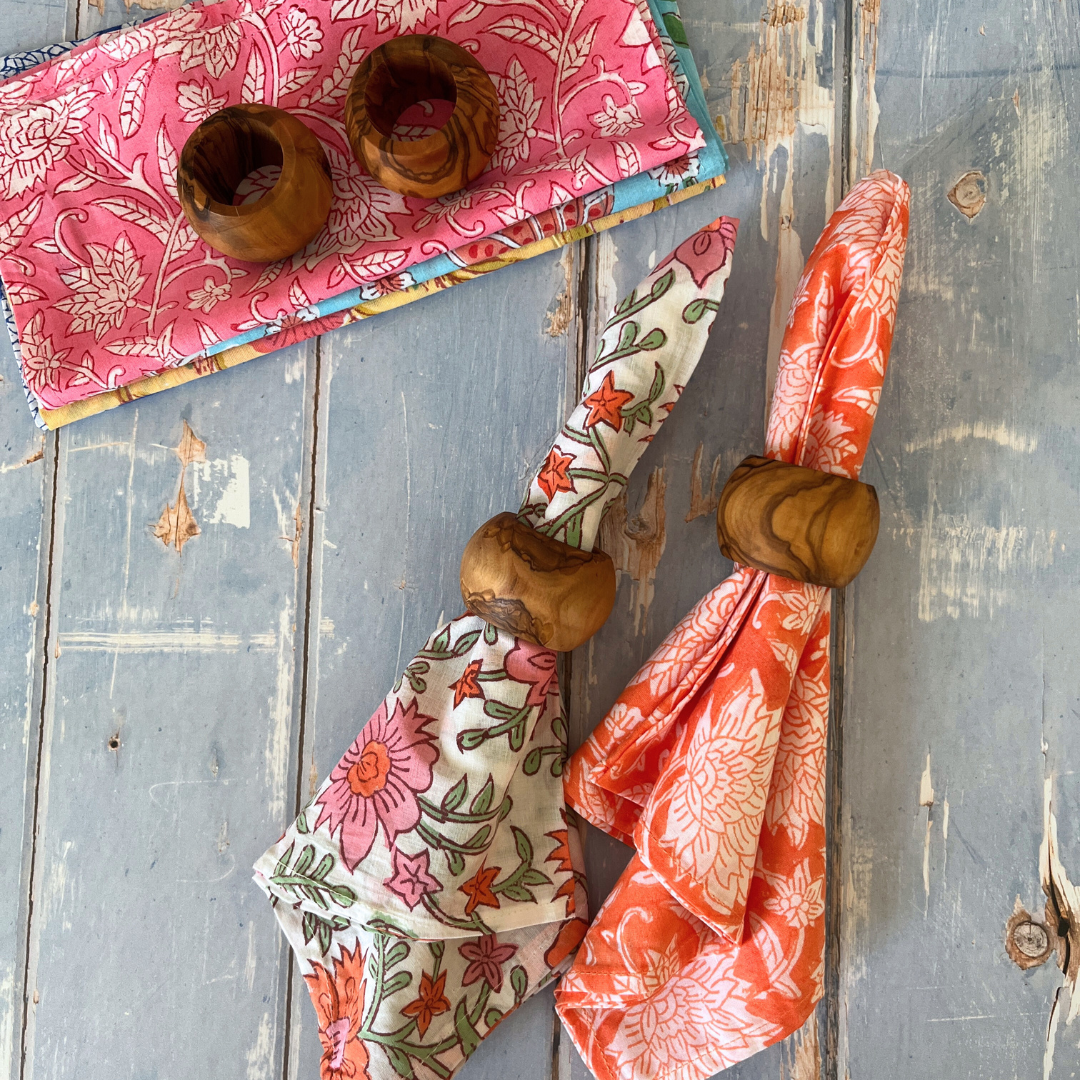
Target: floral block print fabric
[712, 762]
[434, 881]
[107, 280]
[298, 329]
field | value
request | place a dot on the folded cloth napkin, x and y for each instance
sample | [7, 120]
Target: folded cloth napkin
[107, 281]
[435, 882]
[712, 762]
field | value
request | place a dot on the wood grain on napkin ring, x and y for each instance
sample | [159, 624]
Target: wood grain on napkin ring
[536, 587]
[796, 522]
[406, 70]
[226, 148]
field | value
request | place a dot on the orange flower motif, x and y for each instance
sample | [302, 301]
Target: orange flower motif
[553, 476]
[478, 889]
[468, 686]
[604, 404]
[339, 1001]
[562, 854]
[432, 1002]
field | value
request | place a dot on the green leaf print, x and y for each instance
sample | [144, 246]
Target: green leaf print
[675, 30]
[311, 886]
[467, 1034]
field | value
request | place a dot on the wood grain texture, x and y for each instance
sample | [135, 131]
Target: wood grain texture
[402, 72]
[169, 736]
[799, 523]
[229, 146]
[960, 712]
[536, 587]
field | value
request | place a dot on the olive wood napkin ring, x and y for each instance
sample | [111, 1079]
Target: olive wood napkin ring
[227, 147]
[796, 522]
[536, 587]
[400, 73]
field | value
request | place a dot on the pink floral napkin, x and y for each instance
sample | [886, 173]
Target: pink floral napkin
[109, 283]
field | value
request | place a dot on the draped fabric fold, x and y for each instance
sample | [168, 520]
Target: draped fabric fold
[435, 882]
[712, 761]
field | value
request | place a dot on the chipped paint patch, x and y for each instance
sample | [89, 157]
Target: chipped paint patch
[1063, 899]
[702, 502]
[806, 1063]
[926, 798]
[1000, 434]
[225, 485]
[637, 543]
[607, 290]
[776, 93]
[278, 734]
[562, 308]
[177, 524]
[260, 1056]
[974, 569]
[864, 118]
[37, 455]
[169, 641]
[7, 1019]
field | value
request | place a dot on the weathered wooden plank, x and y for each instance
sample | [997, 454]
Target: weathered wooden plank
[168, 756]
[772, 87]
[431, 420]
[24, 521]
[962, 667]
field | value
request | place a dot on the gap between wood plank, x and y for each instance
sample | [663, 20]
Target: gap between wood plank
[315, 373]
[52, 471]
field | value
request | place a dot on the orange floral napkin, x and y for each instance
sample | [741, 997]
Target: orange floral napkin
[712, 762]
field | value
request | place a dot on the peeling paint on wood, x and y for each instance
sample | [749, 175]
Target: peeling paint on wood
[703, 502]
[636, 543]
[1063, 899]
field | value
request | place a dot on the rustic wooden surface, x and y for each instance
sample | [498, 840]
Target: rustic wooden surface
[164, 710]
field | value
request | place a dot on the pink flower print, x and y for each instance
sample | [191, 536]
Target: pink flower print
[104, 289]
[302, 33]
[706, 251]
[377, 781]
[486, 958]
[41, 360]
[615, 120]
[532, 664]
[198, 101]
[411, 880]
[35, 138]
[210, 294]
[519, 110]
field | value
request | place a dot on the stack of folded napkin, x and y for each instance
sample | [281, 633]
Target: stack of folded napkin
[111, 296]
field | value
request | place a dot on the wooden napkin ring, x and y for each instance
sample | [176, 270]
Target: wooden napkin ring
[535, 587]
[230, 145]
[796, 522]
[400, 73]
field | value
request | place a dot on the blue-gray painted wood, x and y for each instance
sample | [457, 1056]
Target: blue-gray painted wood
[168, 745]
[962, 648]
[959, 635]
